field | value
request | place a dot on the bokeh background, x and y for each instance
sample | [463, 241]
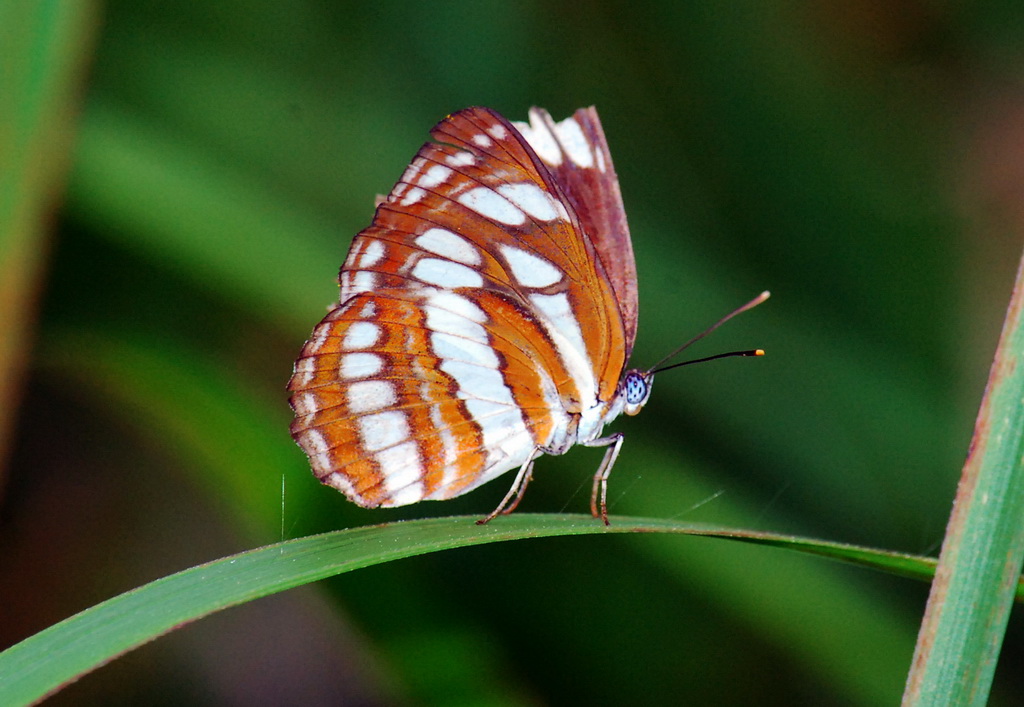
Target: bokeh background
[863, 160]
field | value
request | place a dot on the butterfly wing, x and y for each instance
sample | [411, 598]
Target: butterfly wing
[576, 153]
[475, 323]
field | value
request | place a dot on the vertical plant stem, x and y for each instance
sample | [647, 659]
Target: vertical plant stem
[962, 632]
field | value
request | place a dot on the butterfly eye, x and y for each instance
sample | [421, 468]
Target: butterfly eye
[637, 389]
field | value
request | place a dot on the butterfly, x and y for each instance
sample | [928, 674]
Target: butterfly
[485, 318]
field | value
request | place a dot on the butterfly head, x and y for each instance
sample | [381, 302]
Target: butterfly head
[635, 388]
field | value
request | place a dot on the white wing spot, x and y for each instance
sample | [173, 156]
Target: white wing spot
[492, 205]
[318, 450]
[482, 140]
[450, 471]
[574, 142]
[369, 310]
[462, 158]
[498, 131]
[475, 369]
[413, 170]
[556, 308]
[531, 199]
[368, 396]
[443, 321]
[530, 270]
[452, 347]
[372, 254]
[318, 338]
[356, 281]
[541, 139]
[415, 194]
[454, 302]
[383, 429]
[306, 369]
[506, 438]
[314, 441]
[361, 335]
[447, 274]
[402, 470]
[305, 404]
[342, 483]
[445, 243]
[434, 176]
[476, 382]
[360, 365]
[354, 251]
[565, 332]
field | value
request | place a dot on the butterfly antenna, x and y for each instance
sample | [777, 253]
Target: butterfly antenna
[756, 352]
[751, 352]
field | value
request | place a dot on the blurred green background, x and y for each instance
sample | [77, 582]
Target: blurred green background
[863, 160]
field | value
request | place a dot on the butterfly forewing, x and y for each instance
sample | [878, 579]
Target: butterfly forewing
[476, 323]
[576, 152]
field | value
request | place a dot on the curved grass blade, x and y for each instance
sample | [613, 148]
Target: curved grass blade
[42, 664]
[897, 563]
[45, 662]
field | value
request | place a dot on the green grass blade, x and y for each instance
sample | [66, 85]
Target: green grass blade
[43, 663]
[60, 654]
[980, 564]
[897, 563]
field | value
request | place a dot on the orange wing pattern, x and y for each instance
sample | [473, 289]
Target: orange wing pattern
[485, 316]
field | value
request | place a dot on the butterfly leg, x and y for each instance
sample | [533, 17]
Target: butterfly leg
[515, 494]
[599, 494]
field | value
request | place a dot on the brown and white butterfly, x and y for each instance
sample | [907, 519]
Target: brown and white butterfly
[486, 317]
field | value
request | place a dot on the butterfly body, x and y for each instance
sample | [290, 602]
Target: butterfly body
[485, 317]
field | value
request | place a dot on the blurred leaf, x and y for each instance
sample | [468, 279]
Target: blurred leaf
[164, 198]
[200, 412]
[43, 47]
